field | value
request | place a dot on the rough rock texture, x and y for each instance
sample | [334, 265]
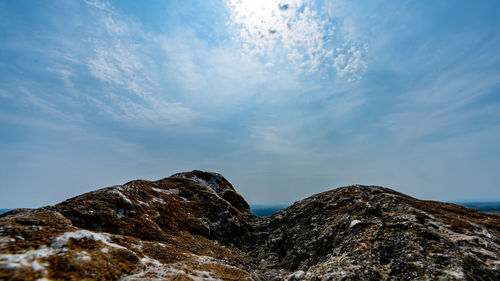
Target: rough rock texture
[195, 226]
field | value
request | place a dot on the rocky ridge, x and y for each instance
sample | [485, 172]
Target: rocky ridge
[195, 226]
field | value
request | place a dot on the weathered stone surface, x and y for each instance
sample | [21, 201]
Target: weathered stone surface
[195, 226]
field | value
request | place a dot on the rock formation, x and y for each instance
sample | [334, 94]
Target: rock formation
[195, 226]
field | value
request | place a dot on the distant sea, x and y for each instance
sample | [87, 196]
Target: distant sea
[266, 210]
[3, 211]
[489, 207]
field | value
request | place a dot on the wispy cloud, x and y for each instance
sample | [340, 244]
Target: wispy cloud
[275, 140]
[445, 106]
[117, 61]
[117, 55]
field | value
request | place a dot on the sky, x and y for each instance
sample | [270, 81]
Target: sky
[284, 98]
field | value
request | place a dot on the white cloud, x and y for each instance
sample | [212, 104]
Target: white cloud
[215, 77]
[102, 5]
[116, 60]
[349, 61]
[151, 110]
[294, 31]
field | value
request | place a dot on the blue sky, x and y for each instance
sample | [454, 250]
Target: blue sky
[284, 98]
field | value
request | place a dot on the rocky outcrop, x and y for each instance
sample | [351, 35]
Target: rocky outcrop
[195, 226]
[200, 203]
[374, 233]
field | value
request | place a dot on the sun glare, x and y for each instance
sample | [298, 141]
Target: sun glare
[295, 32]
[281, 31]
[262, 23]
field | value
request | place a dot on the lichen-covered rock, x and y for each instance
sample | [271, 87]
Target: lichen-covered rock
[196, 202]
[195, 226]
[374, 233]
[174, 229]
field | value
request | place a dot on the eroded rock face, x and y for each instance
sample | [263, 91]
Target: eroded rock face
[195, 226]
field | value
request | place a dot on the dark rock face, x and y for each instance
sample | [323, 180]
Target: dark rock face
[195, 226]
